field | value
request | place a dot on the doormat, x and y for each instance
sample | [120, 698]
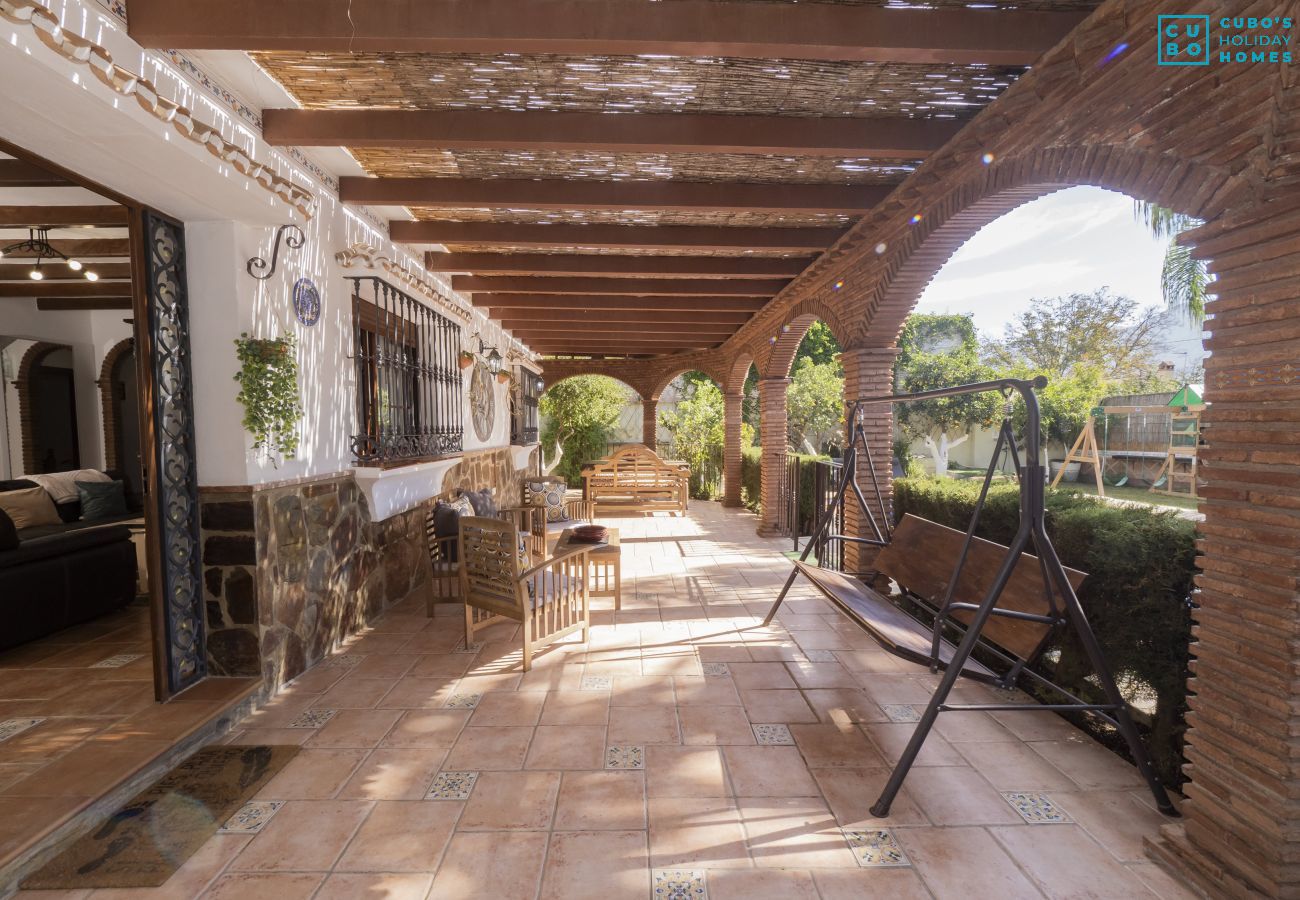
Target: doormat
[148, 839]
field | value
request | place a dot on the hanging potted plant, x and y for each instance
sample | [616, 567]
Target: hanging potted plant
[466, 359]
[268, 391]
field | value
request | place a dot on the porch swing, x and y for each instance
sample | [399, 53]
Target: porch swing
[1008, 601]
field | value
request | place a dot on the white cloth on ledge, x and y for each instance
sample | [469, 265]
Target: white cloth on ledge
[62, 486]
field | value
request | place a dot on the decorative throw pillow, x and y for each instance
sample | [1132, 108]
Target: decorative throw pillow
[8, 533]
[102, 500]
[445, 523]
[550, 494]
[29, 508]
[483, 502]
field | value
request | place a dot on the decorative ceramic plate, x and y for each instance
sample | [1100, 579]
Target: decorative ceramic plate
[306, 301]
[482, 401]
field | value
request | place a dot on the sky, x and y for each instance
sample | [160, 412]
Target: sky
[1075, 240]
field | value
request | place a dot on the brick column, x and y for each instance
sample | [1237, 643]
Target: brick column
[731, 449]
[649, 422]
[869, 372]
[773, 436]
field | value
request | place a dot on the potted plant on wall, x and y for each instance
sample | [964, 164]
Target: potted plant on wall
[466, 359]
[268, 391]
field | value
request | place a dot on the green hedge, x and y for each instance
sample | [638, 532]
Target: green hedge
[751, 480]
[1140, 563]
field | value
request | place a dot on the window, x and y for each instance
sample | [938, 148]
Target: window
[408, 382]
[524, 430]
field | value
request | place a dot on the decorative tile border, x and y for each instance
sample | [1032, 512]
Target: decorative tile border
[342, 661]
[313, 718]
[251, 817]
[462, 701]
[875, 848]
[715, 669]
[1036, 809]
[451, 786]
[11, 727]
[773, 735]
[680, 884]
[629, 757]
[596, 683]
[899, 712]
[117, 662]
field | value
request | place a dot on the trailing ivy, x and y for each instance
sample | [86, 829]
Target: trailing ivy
[268, 391]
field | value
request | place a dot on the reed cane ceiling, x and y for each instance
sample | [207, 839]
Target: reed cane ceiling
[699, 149]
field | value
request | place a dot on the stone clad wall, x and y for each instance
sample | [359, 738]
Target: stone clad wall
[292, 570]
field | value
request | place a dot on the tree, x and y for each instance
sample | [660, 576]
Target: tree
[579, 415]
[1097, 330]
[697, 422]
[818, 344]
[1183, 278]
[937, 351]
[815, 405]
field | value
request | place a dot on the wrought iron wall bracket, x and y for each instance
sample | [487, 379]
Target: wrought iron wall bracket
[293, 238]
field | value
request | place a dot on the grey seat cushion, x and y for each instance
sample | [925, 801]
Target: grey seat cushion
[552, 586]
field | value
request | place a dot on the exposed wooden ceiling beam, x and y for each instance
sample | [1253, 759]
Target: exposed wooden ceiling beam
[615, 338]
[632, 330]
[56, 270]
[672, 196]
[591, 264]
[616, 347]
[879, 137]
[65, 304]
[499, 302]
[640, 318]
[627, 27]
[65, 289]
[61, 216]
[663, 237]
[92, 248]
[20, 173]
[637, 287]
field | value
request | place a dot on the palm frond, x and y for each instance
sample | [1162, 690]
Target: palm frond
[1183, 281]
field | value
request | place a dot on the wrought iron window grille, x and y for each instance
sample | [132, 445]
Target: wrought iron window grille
[527, 398]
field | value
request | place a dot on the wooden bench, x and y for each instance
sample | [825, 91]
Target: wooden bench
[635, 479]
[920, 559]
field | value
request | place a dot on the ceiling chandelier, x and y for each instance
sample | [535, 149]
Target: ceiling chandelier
[38, 244]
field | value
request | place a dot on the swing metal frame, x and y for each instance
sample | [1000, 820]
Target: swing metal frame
[1061, 600]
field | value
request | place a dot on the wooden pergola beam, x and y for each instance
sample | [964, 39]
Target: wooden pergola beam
[644, 318]
[615, 347]
[18, 173]
[670, 196]
[592, 264]
[29, 288]
[624, 27]
[649, 237]
[57, 270]
[637, 287]
[880, 137]
[91, 248]
[68, 304]
[61, 216]
[632, 331]
[502, 302]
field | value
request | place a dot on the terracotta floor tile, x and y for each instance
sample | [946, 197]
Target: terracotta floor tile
[768, 772]
[724, 652]
[511, 800]
[821, 675]
[480, 864]
[643, 725]
[1035, 725]
[1161, 883]
[376, 884]
[317, 680]
[705, 690]
[23, 820]
[835, 745]
[609, 800]
[848, 884]
[844, 705]
[294, 737]
[775, 707]
[385, 665]
[874, 661]
[89, 769]
[892, 739]
[1087, 763]
[751, 884]
[355, 728]
[313, 775]
[355, 693]
[756, 676]
[971, 727]
[965, 863]
[576, 708]
[509, 708]
[958, 795]
[1118, 820]
[642, 690]
[440, 665]
[430, 729]
[412, 693]
[887, 689]
[851, 793]
[567, 747]
[696, 833]
[793, 833]
[489, 747]
[684, 772]
[714, 725]
[596, 865]
[304, 836]
[394, 775]
[402, 836]
[240, 886]
[186, 882]
[1063, 859]
[1014, 767]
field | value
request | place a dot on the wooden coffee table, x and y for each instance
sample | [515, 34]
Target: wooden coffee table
[604, 564]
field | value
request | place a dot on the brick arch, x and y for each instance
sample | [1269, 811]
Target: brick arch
[22, 382]
[738, 371]
[110, 405]
[614, 374]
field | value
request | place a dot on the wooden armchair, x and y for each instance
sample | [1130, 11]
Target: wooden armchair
[497, 584]
[531, 519]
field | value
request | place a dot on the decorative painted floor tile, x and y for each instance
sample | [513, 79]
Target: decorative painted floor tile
[773, 734]
[462, 701]
[596, 682]
[901, 713]
[116, 662]
[875, 848]
[1036, 809]
[451, 786]
[251, 817]
[313, 718]
[715, 668]
[342, 661]
[625, 757]
[680, 884]
[462, 647]
[11, 727]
